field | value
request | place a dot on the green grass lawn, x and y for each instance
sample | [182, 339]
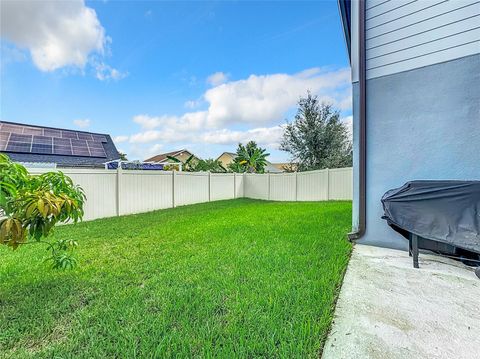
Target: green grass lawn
[241, 278]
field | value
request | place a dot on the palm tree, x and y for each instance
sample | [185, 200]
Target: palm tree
[251, 158]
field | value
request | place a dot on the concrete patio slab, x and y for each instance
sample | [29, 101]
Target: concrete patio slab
[387, 309]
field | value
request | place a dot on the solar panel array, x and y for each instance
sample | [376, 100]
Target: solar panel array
[49, 141]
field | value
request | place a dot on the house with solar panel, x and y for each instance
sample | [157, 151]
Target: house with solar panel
[38, 146]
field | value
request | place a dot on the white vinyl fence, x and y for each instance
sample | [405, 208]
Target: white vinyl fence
[119, 192]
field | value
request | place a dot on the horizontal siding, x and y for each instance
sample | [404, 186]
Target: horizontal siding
[385, 7]
[374, 3]
[430, 47]
[404, 34]
[424, 27]
[377, 48]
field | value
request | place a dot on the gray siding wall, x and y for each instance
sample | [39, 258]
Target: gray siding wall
[407, 34]
[421, 124]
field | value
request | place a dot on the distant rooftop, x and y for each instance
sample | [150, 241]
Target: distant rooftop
[66, 148]
[163, 157]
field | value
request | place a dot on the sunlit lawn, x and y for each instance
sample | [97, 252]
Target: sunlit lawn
[241, 278]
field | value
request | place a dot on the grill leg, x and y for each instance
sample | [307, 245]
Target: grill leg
[414, 242]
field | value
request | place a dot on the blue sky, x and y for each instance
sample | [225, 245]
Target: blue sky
[160, 76]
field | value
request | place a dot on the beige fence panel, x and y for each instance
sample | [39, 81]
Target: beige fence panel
[111, 193]
[340, 183]
[283, 187]
[256, 186]
[143, 191]
[100, 187]
[222, 186]
[312, 186]
[191, 187]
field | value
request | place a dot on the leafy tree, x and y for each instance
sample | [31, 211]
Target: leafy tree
[193, 164]
[123, 156]
[236, 167]
[249, 158]
[30, 207]
[209, 165]
[317, 139]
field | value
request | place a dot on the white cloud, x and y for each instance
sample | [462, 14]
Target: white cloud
[269, 136]
[217, 78]
[144, 152]
[82, 123]
[167, 135]
[257, 100]
[190, 121]
[57, 33]
[192, 103]
[146, 136]
[120, 139]
[266, 98]
[252, 105]
[152, 142]
[105, 72]
[154, 150]
[147, 122]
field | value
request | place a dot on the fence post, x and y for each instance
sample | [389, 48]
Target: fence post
[209, 186]
[118, 192]
[296, 186]
[173, 188]
[268, 179]
[244, 180]
[234, 185]
[328, 184]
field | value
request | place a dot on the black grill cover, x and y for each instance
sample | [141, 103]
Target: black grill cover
[444, 211]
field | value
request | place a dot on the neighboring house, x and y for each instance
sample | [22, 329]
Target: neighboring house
[416, 100]
[46, 145]
[181, 155]
[227, 157]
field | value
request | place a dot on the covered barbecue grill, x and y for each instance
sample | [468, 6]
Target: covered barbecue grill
[441, 216]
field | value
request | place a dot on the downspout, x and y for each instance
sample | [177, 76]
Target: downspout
[360, 231]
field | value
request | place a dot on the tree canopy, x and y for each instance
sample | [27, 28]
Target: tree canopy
[249, 158]
[209, 165]
[317, 139]
[194, 164]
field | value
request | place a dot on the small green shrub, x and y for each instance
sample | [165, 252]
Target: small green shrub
[31, 205]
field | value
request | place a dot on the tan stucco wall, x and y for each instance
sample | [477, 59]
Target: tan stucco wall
[183, 156]
[226, 159]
